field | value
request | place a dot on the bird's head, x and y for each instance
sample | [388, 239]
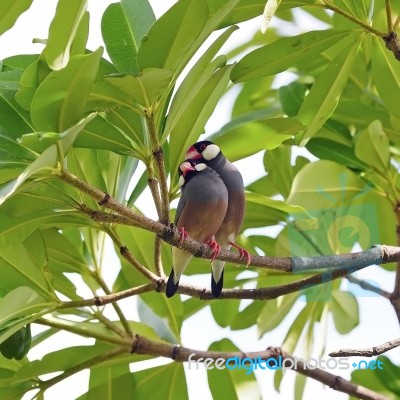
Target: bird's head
[204, 149]
[188, 168]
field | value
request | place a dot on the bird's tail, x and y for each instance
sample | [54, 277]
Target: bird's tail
[180, 259]
[217, 277]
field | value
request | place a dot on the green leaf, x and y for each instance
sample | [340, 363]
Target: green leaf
[13, 118]
[18, 344]
[169, 41]
[274, 312]
[277, 163]
[231, 383]
[332, 150]
[291, 97]
[45, 162]
[144, 88]
[167, 330]
[196, 78]
[9, 80]
[386, 75]
[384, 381]
[285, 53]
[325, 184]
[324, 95]
[171, 377]
[10, 10]
[100, 134]
[21, 302]
[40, 141]
[293, 335]
[60, 100]
[14, 158]
[112, 382]
[372, 147]
[191, 124]
[123, 27]
[273, 204]
[62, 32]
[224, 313]
[345, 312]
[264, 134]
[28, 85]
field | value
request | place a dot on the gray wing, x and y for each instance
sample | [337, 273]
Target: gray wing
[181, 205]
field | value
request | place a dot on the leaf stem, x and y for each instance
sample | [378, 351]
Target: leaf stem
[328, 5]
[73, 327]
[396, 24]
[389, 16]
[80, 367]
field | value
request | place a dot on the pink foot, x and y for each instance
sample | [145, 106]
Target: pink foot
[243, 253]
[183, 235]
[216, 248]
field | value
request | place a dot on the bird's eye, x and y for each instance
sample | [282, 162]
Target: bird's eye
[203, 147]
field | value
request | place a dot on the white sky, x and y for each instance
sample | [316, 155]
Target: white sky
[378, 321]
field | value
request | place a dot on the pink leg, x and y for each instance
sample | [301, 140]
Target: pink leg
[243, 253]
[216, 248]
[183, 235]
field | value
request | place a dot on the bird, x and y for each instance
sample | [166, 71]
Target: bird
[209, 153]
[200, 212]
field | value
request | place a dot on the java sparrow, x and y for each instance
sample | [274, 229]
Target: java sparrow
[211, 155]
[201, 210]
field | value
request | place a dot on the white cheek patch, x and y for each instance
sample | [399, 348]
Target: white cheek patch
[210, 152]
[200, 167]
[181, 181]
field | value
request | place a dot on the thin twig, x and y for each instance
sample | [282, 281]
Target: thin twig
[109, 324]
[157, 256]
[131, 259]
[371, 352]
[111, 298]
[368, 286]
[158, 158]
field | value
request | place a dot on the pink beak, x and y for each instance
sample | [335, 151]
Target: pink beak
[192, 154]
[186, 167]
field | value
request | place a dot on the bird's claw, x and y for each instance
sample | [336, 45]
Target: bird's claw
[215, 247]
[243, 253]
[182, 235]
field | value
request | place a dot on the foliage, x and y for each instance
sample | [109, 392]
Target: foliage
[71, 109]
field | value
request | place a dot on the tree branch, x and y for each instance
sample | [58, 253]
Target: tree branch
[379, 254]
[371, 352]
[265, 293]
[142, 345]
[368, 286]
